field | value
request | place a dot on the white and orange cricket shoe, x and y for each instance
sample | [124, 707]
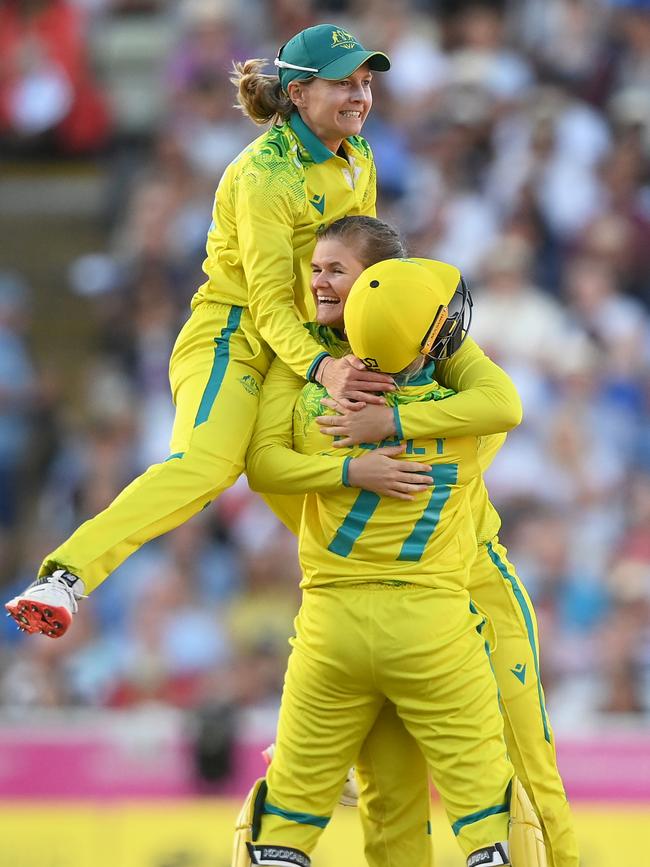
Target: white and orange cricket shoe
[48, 604]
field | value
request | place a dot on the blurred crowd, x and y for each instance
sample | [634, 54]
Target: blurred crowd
[512, 139]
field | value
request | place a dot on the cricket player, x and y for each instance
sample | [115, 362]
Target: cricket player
[310, 167]
[386, 614]
[391, 769]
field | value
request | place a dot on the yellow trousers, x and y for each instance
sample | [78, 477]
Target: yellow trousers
[422, 650]
[392, 772]
[216, 370]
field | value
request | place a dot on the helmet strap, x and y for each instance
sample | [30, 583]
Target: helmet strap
[434, 329]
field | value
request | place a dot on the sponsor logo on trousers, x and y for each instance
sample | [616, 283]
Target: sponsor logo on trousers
[289, 856]
[484, 856]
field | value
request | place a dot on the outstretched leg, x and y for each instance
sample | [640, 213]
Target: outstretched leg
[215, 415]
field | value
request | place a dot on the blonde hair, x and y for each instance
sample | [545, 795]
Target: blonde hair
[259, 96]
[411, 370]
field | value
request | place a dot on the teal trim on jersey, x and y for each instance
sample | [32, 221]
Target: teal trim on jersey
[346, 470]
[480, 629]
[461, 823]
[440, 446]
[398, 423]
[300, 818]
[429, 828]
[425, 376]
[354, 523]
[219, 365]
[317, 150]
[528, 619]
[486, 646]
[475, 610]
[314, 365]
[444, 476]
[175, 455]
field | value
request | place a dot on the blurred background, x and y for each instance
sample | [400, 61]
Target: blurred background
[511, 138]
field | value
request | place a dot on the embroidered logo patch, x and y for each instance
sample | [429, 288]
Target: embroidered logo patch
[318, 201]
[343, 39]
[250, 384]
[519, 671]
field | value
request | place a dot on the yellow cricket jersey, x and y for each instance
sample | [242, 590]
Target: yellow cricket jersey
[489, 402]
[487, 521]
[269, 203]
[352, 535]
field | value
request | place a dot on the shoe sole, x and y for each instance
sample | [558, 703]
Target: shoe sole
[33, 617]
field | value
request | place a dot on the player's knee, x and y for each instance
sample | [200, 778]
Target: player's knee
[525, 845]
[204, 475]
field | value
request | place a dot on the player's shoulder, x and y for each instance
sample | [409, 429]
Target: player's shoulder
[270, 165]
[275, 150]
[360, 145]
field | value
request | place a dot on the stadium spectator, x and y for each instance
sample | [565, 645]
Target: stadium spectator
[48, 95]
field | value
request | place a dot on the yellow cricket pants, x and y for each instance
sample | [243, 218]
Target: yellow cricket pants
[392, 772]
[216, 370]
[357, 646]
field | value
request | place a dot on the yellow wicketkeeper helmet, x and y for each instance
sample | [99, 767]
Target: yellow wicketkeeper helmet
[400, 308]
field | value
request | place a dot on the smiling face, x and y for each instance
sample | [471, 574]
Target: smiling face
[334, 110]
[335, 267]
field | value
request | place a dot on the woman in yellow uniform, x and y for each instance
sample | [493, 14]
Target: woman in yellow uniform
[309, 168]
[385, 613]
[391, 768]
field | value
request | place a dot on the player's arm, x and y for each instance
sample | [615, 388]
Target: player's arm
[486, 402]
[272, 466]
[266, 204]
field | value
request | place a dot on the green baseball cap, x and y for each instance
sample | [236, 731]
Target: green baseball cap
[325, 51]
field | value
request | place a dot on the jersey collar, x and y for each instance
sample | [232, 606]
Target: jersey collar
[425, 376]
[317, 150]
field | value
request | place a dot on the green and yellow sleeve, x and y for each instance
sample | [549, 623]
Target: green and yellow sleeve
[369, 208]
[271, 464]
[487, 401]
[265, 201]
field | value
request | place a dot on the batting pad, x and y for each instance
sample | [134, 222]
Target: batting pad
[525, 838]
[248, 824]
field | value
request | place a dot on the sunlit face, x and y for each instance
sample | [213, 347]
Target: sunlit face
[334, 267]
[334, 110]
